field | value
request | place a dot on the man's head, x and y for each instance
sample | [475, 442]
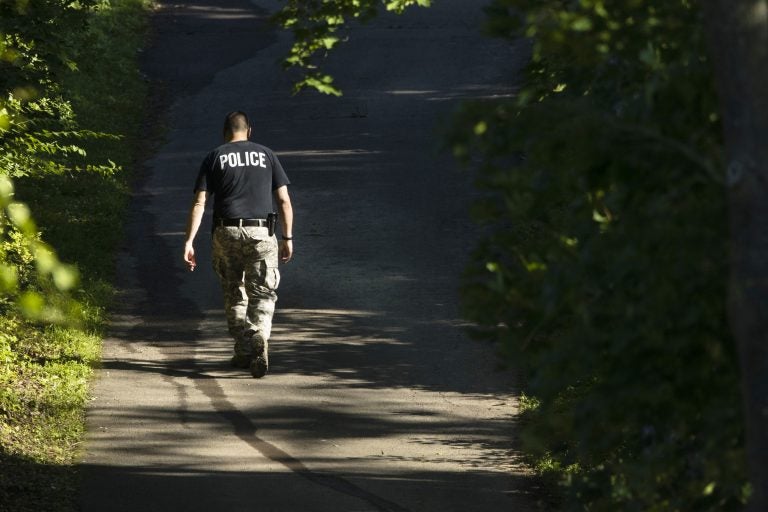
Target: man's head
[236, 126]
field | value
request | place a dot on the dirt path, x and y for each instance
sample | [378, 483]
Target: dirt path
[375, 399]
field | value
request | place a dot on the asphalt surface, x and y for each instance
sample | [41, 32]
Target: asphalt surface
[376, 399]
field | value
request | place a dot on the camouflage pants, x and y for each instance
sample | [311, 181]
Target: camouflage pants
[245, 259]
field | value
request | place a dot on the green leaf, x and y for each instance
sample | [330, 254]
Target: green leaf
[65, 277]
[581, 24]
[329, 42]
[19, 213]
[9, 277]
[32, 304]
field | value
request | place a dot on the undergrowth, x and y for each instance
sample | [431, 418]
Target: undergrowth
[45, 369]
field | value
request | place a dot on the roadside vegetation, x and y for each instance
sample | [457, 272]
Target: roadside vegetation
[606, 264]
[604, 267]
[70, 113]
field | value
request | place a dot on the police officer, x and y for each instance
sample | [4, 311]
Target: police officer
[243, 178]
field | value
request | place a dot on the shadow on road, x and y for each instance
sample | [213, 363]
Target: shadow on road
[365, 349]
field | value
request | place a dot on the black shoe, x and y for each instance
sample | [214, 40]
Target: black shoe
[240, 361]
[259, 366]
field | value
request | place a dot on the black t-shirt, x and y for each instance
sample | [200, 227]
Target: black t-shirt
[242, 177]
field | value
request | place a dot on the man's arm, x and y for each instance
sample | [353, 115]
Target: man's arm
[193, 225]
[283, 201]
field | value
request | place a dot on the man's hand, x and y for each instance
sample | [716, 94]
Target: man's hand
[283, 202]
[193, 224]
[286, 250]
[189, 256]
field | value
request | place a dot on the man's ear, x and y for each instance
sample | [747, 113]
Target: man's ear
[249, 132]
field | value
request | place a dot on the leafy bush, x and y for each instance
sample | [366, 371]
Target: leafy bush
[38, 130]
[54, 119]
[604, 265]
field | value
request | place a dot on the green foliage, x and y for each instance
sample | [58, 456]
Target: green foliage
[108, 93]
[61, 65]
[31, 275]
[318, 25]
[605, 262]
[43, 386]
[39, 41]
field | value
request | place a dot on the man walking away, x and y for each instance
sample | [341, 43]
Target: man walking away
[244, 178]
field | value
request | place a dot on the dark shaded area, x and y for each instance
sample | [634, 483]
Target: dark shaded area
[271, 488]
[64, 205]
[182, 33]
[25, 486]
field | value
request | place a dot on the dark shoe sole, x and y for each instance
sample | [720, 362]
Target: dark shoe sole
[259, 367]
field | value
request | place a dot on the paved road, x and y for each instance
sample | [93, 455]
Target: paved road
[376, 400]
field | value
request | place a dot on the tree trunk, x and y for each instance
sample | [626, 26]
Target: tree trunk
[738, 37]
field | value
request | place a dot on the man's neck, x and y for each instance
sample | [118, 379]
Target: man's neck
[238, 137]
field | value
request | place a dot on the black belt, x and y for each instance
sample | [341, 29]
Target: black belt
[241, 222]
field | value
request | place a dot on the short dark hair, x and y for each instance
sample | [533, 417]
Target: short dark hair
[236, 121]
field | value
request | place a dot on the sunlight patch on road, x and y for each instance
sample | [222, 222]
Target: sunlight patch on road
[343, 327]
[327, 152]
[479, 93]
[221, 13]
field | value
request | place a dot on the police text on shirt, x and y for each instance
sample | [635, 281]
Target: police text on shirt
[247, 158]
